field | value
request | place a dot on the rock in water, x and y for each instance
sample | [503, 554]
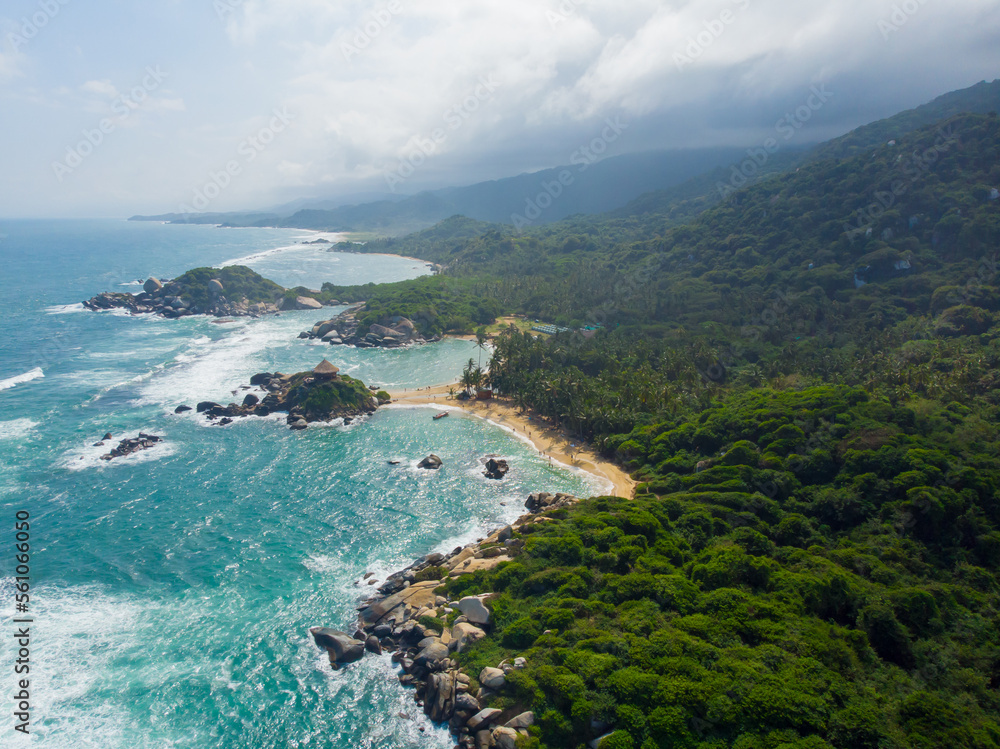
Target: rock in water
[152, 285]
[250, 400]
[341, 647]
[496, 469]
[182, 409]
[431, 462]
[305, 302]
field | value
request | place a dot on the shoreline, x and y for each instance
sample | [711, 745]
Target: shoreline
[545, 438]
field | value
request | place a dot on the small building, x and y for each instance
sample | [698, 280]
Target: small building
[484, 394]
[326, 371]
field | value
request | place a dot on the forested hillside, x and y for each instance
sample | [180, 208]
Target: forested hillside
[804, 380]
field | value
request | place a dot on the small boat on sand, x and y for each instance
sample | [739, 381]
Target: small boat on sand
[441, 415]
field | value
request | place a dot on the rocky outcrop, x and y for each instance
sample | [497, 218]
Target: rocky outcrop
[340, 646]
[233, 291]
[496, 468]
[544, 501]
[408, 618]
[431, 463]
[345, 329]
[301, 303]
[175, 299]
[305, 397]
[129, 446]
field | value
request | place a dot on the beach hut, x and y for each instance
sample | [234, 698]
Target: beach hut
[326, 371]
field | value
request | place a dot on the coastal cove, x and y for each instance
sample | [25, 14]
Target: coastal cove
[175, 587]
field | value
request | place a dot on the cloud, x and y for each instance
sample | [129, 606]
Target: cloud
[473, 90]
[370, 81]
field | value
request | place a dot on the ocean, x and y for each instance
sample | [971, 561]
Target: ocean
[172, 590]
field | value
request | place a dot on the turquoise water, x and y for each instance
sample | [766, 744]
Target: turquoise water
[173, 589]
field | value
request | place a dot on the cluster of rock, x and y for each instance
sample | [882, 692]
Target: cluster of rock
[129, 445]
[496, 468]
[346, 330]
[543, 501]
[410, 620]
[167, 298]
[285, 394]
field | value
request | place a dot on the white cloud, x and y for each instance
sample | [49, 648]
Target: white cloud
[100, 88]
[369, 80]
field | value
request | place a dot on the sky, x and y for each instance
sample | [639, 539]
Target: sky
[115, 107]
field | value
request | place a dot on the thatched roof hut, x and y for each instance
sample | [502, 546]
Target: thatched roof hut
[326, 370]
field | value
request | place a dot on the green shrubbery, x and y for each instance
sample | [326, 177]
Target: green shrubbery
[436, 304]
[693, 618]
[238, 283]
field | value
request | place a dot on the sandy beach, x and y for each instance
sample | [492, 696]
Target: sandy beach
[547, 440]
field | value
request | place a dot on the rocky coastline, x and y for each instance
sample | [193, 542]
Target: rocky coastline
[424, 630]
[320, 395]
[346, 330]
[195, 294]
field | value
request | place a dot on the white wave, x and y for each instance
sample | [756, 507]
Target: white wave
[34, 374]
[82, 633]
[16, 429]
[66, 309]
[89, 456]
[213, 370]
[246, 259]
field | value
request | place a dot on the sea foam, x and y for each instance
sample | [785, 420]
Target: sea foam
[10, 382]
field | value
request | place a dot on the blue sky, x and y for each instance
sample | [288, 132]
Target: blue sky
[109, 108]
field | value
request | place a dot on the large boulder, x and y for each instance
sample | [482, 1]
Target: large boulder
[383, 332]
[207, 406]
[504, 738]
[483, 718]
[261, 379]
[215, 287]
[465, 635]
[524, 720]
[467, 703]
[492, 678]
[496, 469]
[439, 697]
[250, 400]
[431, 462]
[341, 647]
[406, 327]
[305, 302]
[436, 651]
[474, 610]
[152, 285]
